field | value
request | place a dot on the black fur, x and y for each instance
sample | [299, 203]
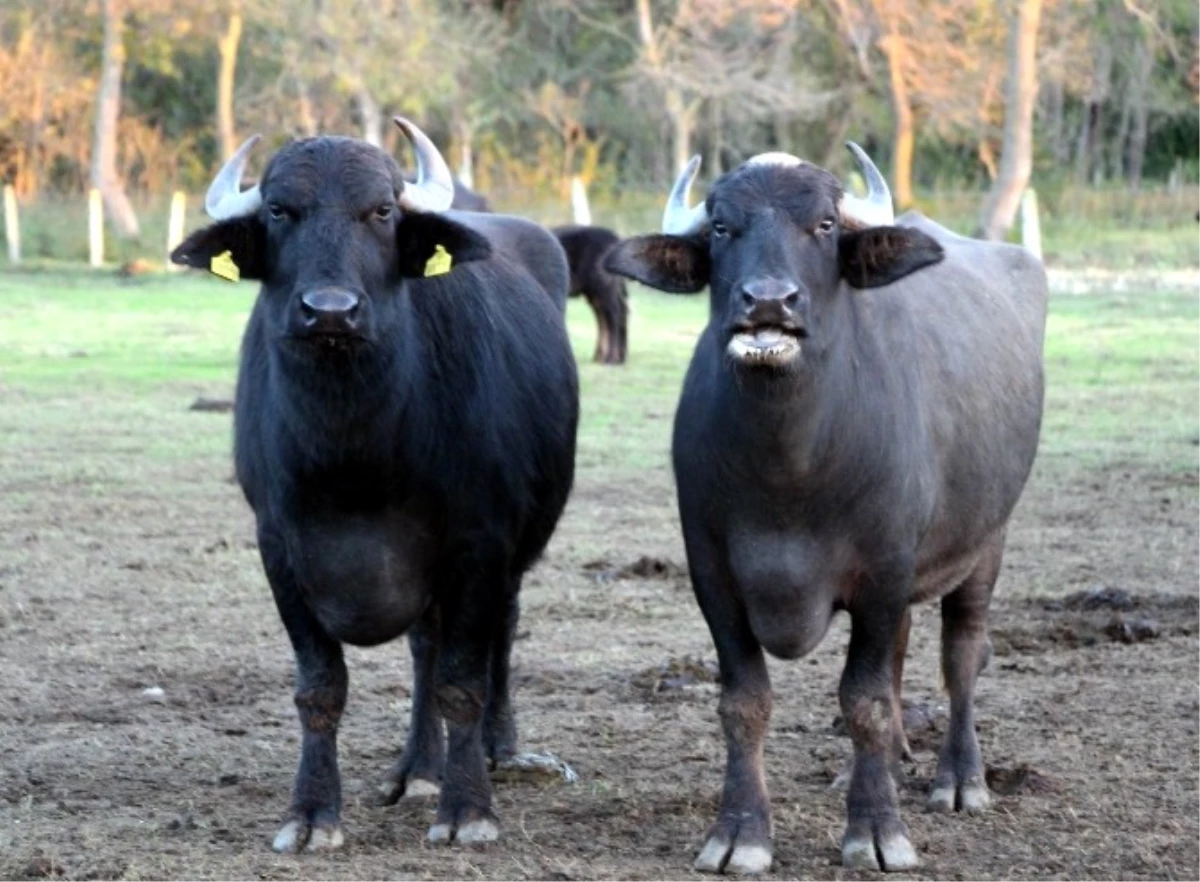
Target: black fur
[406, 473]
[841, 449]
[586, 248]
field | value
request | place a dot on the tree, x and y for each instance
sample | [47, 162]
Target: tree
[108, 112]
[227, 50]
[1016, 158]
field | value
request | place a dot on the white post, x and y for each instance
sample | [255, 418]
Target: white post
[466, 173]
[1031, 228]
[12, 229]
[175, 227]
[579, 202]
[95, 228]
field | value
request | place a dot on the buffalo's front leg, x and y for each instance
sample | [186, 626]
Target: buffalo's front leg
[875, 837]
[314, 821]
[959, 783]
[418, 772]
[468, 611]
[739, 841]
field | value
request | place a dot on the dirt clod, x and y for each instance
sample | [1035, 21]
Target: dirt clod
[1022, 778]
[211, 405]
[676, 674]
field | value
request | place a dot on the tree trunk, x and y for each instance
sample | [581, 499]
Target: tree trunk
[370, 114]
[1016, 157]
[305, 117]
[1058, 146]
[227, 50]
[1089, 127]
[1135, 156]
[903, 135]
[681, 113]
[108, 112]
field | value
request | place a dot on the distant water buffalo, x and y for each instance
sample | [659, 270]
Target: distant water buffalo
[405, 432]
[586, 247]
[858, 421]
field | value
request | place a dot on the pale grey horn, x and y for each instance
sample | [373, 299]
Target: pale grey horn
[875, 210]
[434, 188]
[678, 219]
[225, 199]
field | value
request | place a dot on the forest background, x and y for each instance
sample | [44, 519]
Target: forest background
[142, 97]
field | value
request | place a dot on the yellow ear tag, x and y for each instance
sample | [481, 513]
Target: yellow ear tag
[439, 264]
[222, 265]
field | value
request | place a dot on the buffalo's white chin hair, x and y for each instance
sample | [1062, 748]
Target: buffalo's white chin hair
[768, 347]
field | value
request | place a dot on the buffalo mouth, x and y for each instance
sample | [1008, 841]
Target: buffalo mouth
[765, 345]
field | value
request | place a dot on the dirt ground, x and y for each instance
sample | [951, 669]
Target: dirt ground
[147, 728]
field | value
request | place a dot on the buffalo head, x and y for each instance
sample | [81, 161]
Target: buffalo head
[332, 230]
[775, 241]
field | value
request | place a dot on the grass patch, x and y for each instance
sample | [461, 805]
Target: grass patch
[96, 371]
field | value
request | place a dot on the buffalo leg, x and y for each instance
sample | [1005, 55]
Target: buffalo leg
[499, 722]
[419, 770]
[959, 782]
[314, 821]
[618, 323]
[900, 749]
[603, 332]
[739, 841]
[875, 837]
[469, 613]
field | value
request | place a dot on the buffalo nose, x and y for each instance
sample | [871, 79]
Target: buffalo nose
[330, 309]
[763, 291]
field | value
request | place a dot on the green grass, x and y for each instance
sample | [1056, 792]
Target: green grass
[125, 359]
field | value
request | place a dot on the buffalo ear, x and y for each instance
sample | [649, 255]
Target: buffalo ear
[418, 235]
[244, 238]
[879, 256]
[676, 264]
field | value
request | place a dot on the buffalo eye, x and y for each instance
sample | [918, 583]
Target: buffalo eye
[277, 211]
[385, 211]
[826, 226]
[719, 230]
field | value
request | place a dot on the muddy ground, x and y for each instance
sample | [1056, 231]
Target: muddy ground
[136, 573]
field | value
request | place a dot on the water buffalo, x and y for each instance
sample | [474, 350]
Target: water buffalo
[586, 247]
[405, 433]
[859, 418]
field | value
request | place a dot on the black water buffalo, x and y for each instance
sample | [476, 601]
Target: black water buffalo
[466, 199]
[405, 433]
[586, 247]
[858, 421]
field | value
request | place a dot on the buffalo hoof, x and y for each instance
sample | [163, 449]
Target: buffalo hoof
[971, 796]
[303, 835]
[470, 832]
[722, 855]
[392, 791]
[881, 849]
[534, 766]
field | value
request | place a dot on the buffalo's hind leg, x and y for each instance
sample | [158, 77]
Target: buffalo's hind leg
[739, 841]
[499, 722]
[959, 783]
[418, 772]
[875, 837]
[314, 821]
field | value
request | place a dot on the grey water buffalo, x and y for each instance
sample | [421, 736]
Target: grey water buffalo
[586, 248]
[405, 426]
[858, 421]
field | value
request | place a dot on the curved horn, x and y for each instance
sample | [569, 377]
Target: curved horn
[225, 199]
[434, 189]
[875, 210]
[678, 219]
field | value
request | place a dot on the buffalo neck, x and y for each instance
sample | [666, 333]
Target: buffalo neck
[809, 419]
